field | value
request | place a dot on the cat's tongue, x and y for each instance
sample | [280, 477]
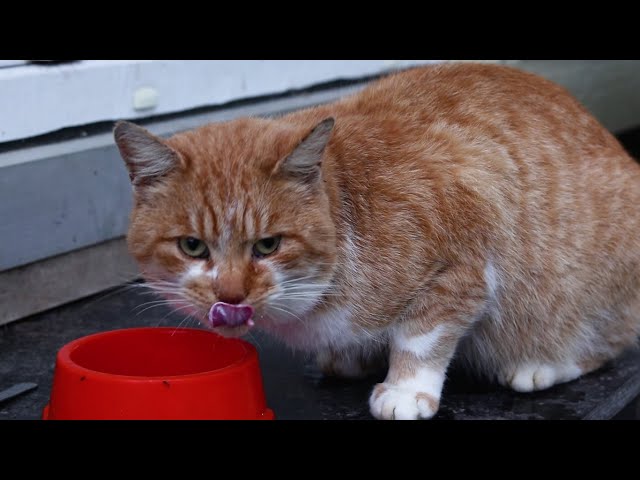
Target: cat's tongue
[225, 314]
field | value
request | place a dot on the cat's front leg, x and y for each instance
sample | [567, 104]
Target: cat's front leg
[417, 367]
[421, 348]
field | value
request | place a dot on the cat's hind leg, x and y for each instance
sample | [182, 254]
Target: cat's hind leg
[532, 376]
[617, 334]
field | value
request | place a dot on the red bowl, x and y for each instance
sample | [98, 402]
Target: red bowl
[157, 374]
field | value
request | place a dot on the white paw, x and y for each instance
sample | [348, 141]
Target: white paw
[389, 402]
[531, 377]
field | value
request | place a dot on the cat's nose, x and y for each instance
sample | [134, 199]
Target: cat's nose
[230, 287]
[231, 298]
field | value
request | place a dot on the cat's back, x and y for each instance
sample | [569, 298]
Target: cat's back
[444, 88]
[545, 177]
[496, 100]
[481, 117]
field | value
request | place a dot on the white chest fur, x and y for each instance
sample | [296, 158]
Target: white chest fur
[317, 331]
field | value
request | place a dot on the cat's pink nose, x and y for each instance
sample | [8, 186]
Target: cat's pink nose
[225, 314]
[233, 298]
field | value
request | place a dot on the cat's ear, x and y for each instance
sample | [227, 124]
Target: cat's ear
[146, 156]
[304, 161]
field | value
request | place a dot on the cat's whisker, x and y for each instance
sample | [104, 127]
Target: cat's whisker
[161, 290]
[177, 309]
[255, 340]
[161, 285]
[164, 294]
[180, 324]
[311, 291]
[164, 304]
[297, 279]
[285, 311]
[168, 314]
[154, 278]
[152, 302]
[293, 288]
[158, 283]
[108, 294]
[167, 291]
[151, 292]
[290, 302]
[299, 294]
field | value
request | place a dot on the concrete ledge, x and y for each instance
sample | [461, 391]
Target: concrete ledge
[65, 278]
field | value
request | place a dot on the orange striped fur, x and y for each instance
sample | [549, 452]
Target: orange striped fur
[474, 210]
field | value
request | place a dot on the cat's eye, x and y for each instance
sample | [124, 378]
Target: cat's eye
[266, 246]
[193, 247]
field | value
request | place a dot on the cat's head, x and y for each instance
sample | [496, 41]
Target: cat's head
[234, 212]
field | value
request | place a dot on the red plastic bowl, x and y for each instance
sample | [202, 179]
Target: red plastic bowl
[157, 374]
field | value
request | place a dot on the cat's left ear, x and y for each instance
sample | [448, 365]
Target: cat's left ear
[306, 159]
[146, 156]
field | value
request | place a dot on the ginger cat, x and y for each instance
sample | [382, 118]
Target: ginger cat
[463, 209]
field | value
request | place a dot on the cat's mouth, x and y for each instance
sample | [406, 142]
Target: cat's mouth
[224, 314]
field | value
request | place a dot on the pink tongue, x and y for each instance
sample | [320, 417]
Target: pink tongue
[230, 315]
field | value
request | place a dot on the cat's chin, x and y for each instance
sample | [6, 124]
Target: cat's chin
[225, 331]
[230, 332]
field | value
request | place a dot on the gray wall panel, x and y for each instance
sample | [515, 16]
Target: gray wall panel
[62, 203]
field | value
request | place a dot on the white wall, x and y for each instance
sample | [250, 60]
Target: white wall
[36, 99]
[11, 63]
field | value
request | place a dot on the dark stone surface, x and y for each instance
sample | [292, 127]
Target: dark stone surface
[294, 388]
[630, 412]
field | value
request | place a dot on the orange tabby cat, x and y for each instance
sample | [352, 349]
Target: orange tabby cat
[468, 209]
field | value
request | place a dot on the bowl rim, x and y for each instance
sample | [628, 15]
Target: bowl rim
[64, 357]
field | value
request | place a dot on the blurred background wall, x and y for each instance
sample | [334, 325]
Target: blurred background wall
[64, 192]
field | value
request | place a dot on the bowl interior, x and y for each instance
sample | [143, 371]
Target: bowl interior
[155, 352]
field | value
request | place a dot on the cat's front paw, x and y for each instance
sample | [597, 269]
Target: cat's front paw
[390, 402]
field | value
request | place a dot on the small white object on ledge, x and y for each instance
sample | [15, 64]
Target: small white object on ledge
[145, 98]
